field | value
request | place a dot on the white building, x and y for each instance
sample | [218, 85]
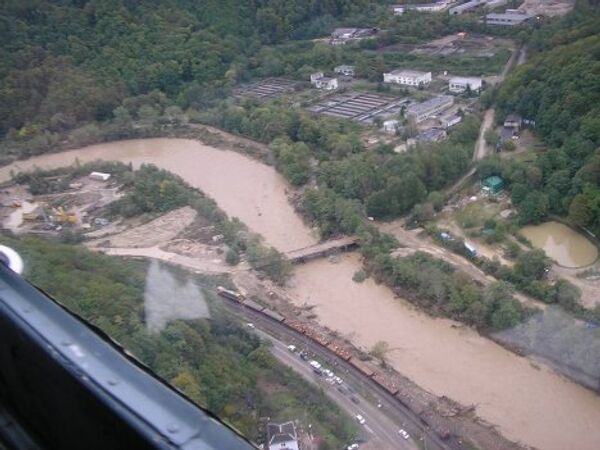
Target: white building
[461, 84]
[327, 83]
[99, 176]
[420, 7]
[512, 17]
[465, 7]
[431, 107]
[345, 70]
[282, 436]
[407, 77]
[316, 76]
[448, 122]
[391, 126]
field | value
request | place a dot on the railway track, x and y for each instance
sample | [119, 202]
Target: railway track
[370, 380]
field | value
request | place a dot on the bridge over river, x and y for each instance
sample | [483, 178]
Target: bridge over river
[321, 249]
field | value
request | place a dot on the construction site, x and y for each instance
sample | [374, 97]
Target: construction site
[77, 208]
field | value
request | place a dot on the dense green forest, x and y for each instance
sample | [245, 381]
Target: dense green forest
[215, 362]
[68, 63]
[559, 88]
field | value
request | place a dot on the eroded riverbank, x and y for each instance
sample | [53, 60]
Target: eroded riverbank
[530, 404]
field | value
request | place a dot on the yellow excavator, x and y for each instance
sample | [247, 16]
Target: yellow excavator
[60, 216]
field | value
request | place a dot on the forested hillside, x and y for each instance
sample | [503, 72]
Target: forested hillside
[69, 61]
[215, 362]
[559, 88]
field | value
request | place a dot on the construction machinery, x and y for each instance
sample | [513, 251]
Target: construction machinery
[62, 217]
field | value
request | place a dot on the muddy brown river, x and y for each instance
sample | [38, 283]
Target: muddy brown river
[561, 243]
[529, 404]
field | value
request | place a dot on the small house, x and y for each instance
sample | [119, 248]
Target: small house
[316, 76]
[513, 121]
[390, 126]
[327, 83]
[492, 185]
[282, 436]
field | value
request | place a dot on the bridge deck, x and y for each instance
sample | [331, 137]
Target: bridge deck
[321, 249]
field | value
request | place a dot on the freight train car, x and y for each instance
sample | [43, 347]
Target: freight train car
[273, 315]
[361, 367]
[253, 305]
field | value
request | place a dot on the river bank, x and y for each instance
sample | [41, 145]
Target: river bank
[526, 402]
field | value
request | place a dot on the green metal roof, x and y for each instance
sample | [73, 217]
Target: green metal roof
[493, 182]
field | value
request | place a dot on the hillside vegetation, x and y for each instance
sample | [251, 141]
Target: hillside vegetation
[215, 362]
[559, 88]
[67, 62]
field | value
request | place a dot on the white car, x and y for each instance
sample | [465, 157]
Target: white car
[315, 364]
[352, 447]
[291, 348]
[360, 419]
[328, 372]
[250, 325]
[338, 380]
[403, 433]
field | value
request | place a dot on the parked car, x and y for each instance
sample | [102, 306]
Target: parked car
[291, 348]
[360, 419]
[250, 325]
[352, 447]
[403, 433]
[355, 399]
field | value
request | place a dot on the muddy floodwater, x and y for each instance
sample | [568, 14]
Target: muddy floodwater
[561, 243]
[530, 404]
[242, 187]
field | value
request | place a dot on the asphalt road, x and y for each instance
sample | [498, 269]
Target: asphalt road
[379, 431]
[382, 424]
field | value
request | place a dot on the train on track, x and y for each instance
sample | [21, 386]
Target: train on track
[335, 347]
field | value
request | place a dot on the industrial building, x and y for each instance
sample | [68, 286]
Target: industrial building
[465, 7]
[320, 81]
[362, 107]
[448, 122]
[431, 135]
[407, 77]
[511, 17]
[345, 70]
[420, 7]
[431, 107]
[462, 84]
[326, 83]
[341, 36]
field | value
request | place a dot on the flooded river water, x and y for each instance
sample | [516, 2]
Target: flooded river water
[243, 187]
[529, 404]
[561, 243]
